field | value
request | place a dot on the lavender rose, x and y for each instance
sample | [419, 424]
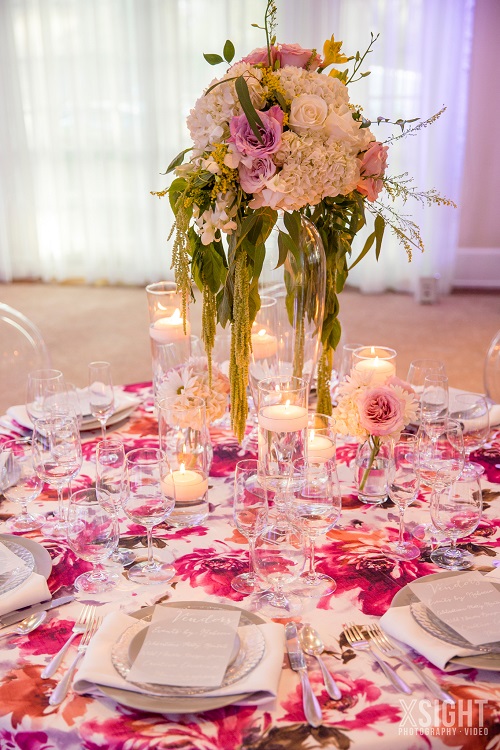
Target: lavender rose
[373, 167]
[253, 179]
[245, 140]
[380, 412]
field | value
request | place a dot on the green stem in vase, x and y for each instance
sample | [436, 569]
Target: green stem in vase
[375, 447]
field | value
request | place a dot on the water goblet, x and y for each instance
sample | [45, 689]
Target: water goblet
[111, 486]
[250, 509]
[92, 535]
[19, 482]
[471, 410]
[279, 559]
[57, 458]
[440, 447]
[420, 368]
[101, 395]
[315, 506]
[403, 486]
[149, 500]
[456, 510]
[44, 390]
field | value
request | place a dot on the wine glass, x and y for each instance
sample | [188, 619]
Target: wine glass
[101, 395]
[19, 482]
[420, 368]
[440, 448]
[403, 486]
[57, 458]
[456, 510]
[315, 506]
[250, 510]
[471, 410]
[279, 559]
[111, 486]
[44, 391]
[92, 535]
[149, 500]
[435, 397]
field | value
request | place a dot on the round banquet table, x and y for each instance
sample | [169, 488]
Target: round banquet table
[370, 714]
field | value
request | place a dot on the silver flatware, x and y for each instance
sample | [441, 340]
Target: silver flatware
[86, 615]
[312, 709]
[62, 687]
[27, 625]
[313, 645]
[357, 640]
[388, 647]
[21, 614]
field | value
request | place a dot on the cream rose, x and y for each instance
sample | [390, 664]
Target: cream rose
[308, 112]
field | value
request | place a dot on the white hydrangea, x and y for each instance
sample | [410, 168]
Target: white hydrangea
[220, 218]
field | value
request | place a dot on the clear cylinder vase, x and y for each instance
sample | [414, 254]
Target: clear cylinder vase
[372, 471]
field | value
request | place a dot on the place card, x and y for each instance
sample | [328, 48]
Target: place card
[9, 561]
[186, 647]
[467, 603]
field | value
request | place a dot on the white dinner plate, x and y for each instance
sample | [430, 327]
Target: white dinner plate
[178, 705]
[405, 597]
[43, 561]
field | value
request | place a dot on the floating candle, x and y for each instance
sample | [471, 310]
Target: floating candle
[186, 484]
[283, 418]
[320, 446]
[264, 344]
[170, 328]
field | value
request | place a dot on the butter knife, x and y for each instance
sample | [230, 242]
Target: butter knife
[20, 614]
[312, 708]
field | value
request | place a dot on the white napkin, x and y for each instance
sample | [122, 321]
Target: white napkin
[32, 591]
[97, 669]
[399, 623]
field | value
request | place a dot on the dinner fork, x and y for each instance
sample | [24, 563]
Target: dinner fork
[61, 689]
[388, 647]
[87, 613]
[357, 640]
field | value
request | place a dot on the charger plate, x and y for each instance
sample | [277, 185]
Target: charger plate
[14, 578]
[179, 704]
[405, 597]
[43, 561]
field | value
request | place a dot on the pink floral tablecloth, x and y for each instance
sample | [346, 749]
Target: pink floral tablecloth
[371, 714]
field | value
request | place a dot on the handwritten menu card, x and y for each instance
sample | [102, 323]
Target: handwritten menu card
[186, 647]
[465, 602]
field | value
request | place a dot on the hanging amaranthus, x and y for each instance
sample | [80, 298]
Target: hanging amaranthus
[240, 345]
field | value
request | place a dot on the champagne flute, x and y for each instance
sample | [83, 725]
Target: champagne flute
[149, 500]
[92, 535]
[456, 510]
[57, 457]
[435, 397]
[471, 410]
[315, 506]
[101, 396]
[45, 388]
[250, 510]
[19, 481]
[111, 486]
[403, 487]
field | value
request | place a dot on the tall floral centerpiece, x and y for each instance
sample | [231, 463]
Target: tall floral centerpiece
[277, 132]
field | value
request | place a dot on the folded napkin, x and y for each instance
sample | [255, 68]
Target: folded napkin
[399, 623]
[32, 591]
[97, 669]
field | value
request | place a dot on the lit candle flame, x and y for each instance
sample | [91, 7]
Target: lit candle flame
[311, 436]
[373, 350]
[262, 332]
[182, 469]
[176, 315]
[287, 404]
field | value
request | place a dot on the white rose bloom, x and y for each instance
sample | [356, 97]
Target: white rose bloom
[307, 112]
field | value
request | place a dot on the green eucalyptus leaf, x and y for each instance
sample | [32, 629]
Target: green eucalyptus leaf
[213, 59]
[251, 114]
[228, 51]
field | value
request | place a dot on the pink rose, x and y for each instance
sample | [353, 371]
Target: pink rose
[245, 140]
[253, 179]
[294, 54]
[393, 380]
[260, 57]
[380, 411]
[373, 165]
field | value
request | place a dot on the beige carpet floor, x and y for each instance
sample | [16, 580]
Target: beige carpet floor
[84, 323]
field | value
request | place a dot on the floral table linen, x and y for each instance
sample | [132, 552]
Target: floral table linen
[370, 714]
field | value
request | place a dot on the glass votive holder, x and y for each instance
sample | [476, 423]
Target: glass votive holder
[183, 432]
[167, 325]
[321, 438]
[283, 419]
[190, 489]
[378, 363]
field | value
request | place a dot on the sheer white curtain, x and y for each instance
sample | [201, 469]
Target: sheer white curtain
[94, 96]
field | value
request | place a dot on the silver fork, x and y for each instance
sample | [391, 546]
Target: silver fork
[357, 640]
[388, 647]
[61, 689]
[87, 613]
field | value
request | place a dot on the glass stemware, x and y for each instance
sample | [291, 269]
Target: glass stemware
[420, 368]
[101, 395]
[57, 458]
[440, 448]
[250, 511]
[456, 510]
[92, 535]
[111, 486]
[44, 391]
[148, 502]
[403, 487]
[316, 507]
[471, 410]
[19, 482]
[435, 397]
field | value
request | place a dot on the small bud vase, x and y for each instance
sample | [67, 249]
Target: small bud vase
[372, 471]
